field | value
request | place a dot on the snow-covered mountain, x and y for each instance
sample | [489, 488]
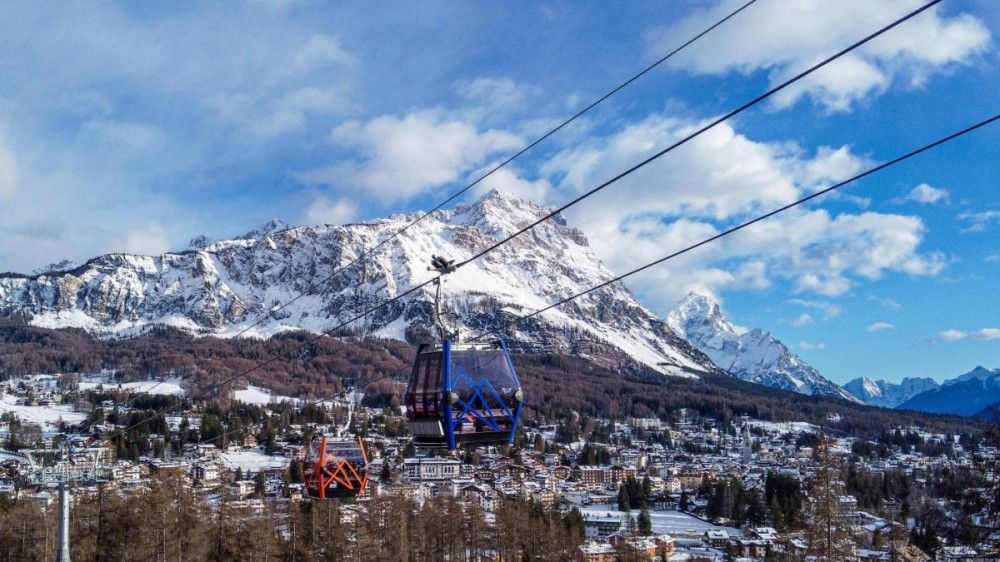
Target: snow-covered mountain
[751, 355]
[278, 278]
[887, 394]
[965, 395]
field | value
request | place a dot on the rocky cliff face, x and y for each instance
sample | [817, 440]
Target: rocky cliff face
[277, 278]
[751, 355]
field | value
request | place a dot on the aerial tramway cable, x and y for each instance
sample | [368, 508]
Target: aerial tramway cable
[511, 158]
[503, 164]
[578, 199]
[753, 221]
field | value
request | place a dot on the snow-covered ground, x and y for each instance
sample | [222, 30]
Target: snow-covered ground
[260, 396]
[675, 523]
[46, 416]
[166, 386]
[253, 461]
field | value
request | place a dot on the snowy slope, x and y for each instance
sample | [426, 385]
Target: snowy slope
[750, 355]
[887, 394]
[298, 278]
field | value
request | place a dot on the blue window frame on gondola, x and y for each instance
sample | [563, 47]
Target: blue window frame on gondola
[463, 394]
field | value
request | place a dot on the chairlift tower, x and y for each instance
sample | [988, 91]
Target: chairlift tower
[59, 466]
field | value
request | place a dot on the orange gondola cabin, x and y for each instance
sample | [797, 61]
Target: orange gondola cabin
[338, 468]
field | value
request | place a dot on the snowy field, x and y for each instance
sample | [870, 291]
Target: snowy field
[167, 386]
[253, 461]
[46, 416]
[260, 396]
[674, 523]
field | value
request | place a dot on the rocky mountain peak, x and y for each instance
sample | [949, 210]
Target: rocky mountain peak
[332, 275]
[699, 314]
[269, 227]
[751, 355]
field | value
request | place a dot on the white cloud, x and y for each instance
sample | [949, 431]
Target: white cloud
[325, 211]
[405, 157]
[149, 240]
[785, 38]
[927, 194]
[804, 319]
[811, 346]
[322, 50]
[980, 222]
[987, 334]
[879, 326]
[715, 181]
[983, 334]
[492, 92]
[886, 302]
[952, 335]
[828, 309]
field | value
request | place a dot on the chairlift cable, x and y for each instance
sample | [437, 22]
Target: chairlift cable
[578, 199]
[743, 225]
[510, 159]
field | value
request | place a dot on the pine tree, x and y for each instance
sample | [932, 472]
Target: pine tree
[828, 533]
[645, 522]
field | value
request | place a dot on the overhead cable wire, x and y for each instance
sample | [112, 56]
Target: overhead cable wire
[510, 159]
[743, 225]
[504, 163]
[698, 132]
[580, 198]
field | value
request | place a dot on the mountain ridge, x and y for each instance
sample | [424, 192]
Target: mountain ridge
[752, 355]
[310, 278]
[887, 394]
[969, 394]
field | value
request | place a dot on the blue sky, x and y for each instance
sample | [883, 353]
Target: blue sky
[134, 127]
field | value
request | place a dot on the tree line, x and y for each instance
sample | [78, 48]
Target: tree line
[169, 521]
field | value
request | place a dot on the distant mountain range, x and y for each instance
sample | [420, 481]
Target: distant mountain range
[751, 355]
[278, 278]
[887, 394]
[971, 394]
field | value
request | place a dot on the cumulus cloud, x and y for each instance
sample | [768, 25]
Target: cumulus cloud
[879, 326]
[952, 335]
[811, 346]
[926, 194]
[403, 157]
[988, 334]
[785, 38]
[715, 181]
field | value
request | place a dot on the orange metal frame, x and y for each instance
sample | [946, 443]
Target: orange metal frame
[343, 472]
